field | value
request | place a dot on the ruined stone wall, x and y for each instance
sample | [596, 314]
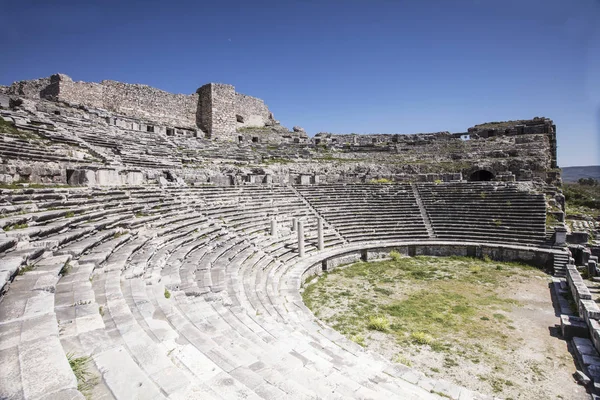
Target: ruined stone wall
[30, 89]
[148, 103]
[131, 100]
[204, 111]
[253, 111]
[217, 108]
[62, 88]
[213, 108]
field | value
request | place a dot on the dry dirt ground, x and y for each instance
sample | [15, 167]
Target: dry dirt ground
[484, 325]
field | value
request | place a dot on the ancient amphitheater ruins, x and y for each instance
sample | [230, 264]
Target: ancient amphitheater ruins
[167, 237]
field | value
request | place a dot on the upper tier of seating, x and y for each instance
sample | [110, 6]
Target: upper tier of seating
[492, 212]
[368, 212]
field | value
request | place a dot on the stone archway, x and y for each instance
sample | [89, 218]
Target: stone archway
[481, 175]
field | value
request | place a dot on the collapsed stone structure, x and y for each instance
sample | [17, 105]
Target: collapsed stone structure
[186, 134]
[176, 261]
[215, 107]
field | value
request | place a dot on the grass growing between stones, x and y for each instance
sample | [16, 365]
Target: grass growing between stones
[449, 306]
[85, 379]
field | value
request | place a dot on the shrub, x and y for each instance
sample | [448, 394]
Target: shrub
[395, 256]
[378, 323]
[167, 294]
[421, 338]
[475, 269]
[402, 359]
[66, 268]
[359, 339]
[381, 181]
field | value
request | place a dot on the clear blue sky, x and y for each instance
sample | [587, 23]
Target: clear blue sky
[381, 66]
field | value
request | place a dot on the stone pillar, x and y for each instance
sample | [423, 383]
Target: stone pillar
[273, 228]
[320, 233]
[560, 235]
[592, 265]
[300, 239]
[294, 223]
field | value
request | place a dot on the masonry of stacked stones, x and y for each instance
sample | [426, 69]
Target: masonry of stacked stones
[164, 239]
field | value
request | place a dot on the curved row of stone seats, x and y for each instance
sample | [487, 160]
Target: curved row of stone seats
[366, 212]
[34, 364]
[101, 250]
[35, 220]
[250, 209]
[45, 141]
[37, 151]
[491, 212]
[121, 315]
[138, 148]
[241, 358]
[184, 303]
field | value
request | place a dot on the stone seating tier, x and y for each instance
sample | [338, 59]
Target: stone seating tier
[183, 292]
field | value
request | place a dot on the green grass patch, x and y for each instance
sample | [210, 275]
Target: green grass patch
[85, 379]
[25, 269]
[14, 227]
[446, 303]
[381, 181]
[8, 128]
[402, 359]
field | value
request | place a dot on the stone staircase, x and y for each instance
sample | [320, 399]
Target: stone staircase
[560, 265]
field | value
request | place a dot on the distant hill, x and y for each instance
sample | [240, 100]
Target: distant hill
[572, 174]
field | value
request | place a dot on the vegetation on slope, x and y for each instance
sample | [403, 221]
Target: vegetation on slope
[8, 128]
[583, 197]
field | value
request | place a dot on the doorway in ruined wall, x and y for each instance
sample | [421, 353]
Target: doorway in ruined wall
[481, 175]
[70, 173]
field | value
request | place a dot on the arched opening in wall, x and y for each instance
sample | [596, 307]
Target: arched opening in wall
[70, 173]
[254, 139]
[170, 132]
[481, 176]
[239, 118]
[150, 128]
[240, 139]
